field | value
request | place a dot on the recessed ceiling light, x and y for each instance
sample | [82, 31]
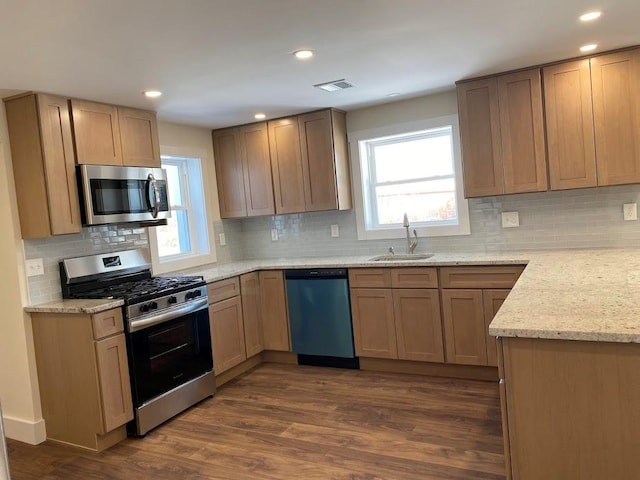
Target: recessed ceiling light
[259, 116]
[590, 16]
[303, 54]
[588, 48]
[152, 93]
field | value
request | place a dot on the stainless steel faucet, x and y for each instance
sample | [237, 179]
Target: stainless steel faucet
[411, 245]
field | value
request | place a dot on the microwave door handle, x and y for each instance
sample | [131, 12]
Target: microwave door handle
[152, 184]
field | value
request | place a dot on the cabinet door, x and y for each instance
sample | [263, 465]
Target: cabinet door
[479, 119]
[229, 175]
[616, 111]
[97, 133]
[569, 116]
[115, 389]
[139, 137]
[228, 334]
[286, 164]
[258, 185]
[318, 163]
[492, 301]
[418, 325]
[464, 327]
[253, 336]
[275, 320]
[522, 132]
[374, 331]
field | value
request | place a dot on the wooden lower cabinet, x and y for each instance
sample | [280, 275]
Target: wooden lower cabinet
[492, 301]
[572, 409]
[374, 329]
[275, 319]
[417, 323]
[251, 313]
[464, 326]
[227, 331]
[83, 377]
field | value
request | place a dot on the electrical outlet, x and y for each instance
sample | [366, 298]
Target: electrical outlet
[630, 211]
[510, 219]
[223, 239]
[274, 235]
[335, 231]
[34, 267]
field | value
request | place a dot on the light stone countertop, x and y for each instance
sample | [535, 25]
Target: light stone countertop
[88, 306]
[589, 295]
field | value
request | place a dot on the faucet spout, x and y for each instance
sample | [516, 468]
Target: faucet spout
[411, 245]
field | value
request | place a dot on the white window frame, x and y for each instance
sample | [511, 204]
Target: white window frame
[362, 188]
[202, 252]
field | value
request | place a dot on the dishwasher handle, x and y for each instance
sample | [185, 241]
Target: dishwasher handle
[316, 273]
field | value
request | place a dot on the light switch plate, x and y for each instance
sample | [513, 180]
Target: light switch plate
[335, 231]
[630, 211]
[223, 239]
[34, 267]
[510, 219]
[274, 234]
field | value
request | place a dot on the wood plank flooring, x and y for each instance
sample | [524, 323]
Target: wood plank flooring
[294, 422]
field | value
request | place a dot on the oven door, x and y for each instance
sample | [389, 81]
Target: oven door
[113, 194]
[166, 355]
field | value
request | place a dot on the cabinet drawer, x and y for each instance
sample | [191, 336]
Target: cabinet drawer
[107, 323]
[414, 277]
[223, 289]
[480, 277]
[369, 277]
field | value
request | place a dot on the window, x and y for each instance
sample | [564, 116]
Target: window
[414, 169]
[184, 241]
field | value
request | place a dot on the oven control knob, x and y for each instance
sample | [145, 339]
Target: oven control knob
[172, 300]
[197, 293]
[188, 296]
[153, 305]
[144, 308]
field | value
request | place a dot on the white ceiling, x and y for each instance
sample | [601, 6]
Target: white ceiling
[220, 61]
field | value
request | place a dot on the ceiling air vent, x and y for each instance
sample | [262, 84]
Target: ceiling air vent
[334, 86]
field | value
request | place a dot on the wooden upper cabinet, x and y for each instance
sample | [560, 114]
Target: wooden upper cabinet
[256, 165]
[615, 82]
[227, 152]
[286, 164]
[569, 117]
[97, 133]
[480, 138]
[522, 132]
[139, 137]
[324, 160]
[43, 165]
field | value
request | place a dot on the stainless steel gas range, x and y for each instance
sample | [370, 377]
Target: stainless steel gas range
[166, 327]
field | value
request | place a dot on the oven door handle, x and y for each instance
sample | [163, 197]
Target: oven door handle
[139, 324]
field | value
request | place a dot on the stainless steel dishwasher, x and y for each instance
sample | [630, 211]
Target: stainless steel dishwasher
[320, 317]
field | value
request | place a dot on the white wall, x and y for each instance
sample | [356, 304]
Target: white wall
[18, 382]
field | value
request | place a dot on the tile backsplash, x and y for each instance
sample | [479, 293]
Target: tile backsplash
[587, 218]
[92, 240]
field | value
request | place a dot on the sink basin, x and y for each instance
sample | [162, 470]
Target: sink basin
[400, 257]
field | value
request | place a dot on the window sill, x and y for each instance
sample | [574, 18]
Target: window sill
[192, 261]
[392, 233]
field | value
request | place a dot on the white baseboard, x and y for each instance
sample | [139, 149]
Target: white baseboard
[27, 431]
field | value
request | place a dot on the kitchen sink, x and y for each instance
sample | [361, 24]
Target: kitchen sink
[400, 257]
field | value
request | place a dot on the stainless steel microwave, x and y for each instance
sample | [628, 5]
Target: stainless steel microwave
[113, 194]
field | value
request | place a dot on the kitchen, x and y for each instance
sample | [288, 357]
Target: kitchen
[551, 220]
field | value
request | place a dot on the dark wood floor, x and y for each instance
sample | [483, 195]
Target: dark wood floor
[291, 422]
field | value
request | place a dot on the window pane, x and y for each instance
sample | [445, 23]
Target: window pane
[173, 238]
[433, 201]
[419, 158]
[175, 189]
